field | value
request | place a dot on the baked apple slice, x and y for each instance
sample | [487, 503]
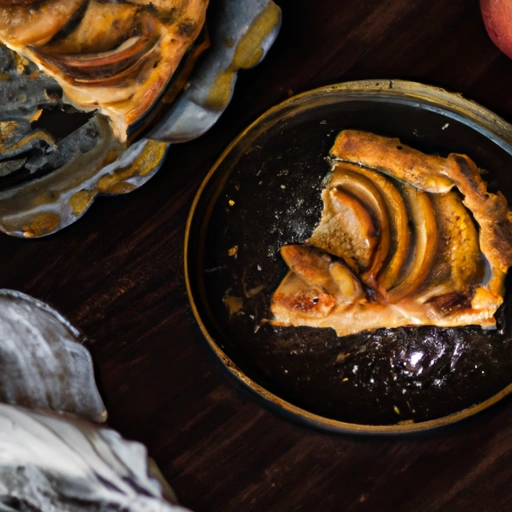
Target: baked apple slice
[424, 246]
[23, 24]
[347, 229]
[318, 270]
[398, 222]
[362, 188]
[460, 266]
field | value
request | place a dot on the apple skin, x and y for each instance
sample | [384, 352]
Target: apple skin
[497, 16]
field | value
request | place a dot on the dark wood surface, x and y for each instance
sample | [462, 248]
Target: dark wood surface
[118, 275]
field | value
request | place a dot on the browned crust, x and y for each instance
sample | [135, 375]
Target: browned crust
[390, 156]
[489, 210]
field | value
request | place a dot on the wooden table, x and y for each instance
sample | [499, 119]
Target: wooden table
[118, 275]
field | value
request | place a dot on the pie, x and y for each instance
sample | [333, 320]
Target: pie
[110, 56]
[405, 238]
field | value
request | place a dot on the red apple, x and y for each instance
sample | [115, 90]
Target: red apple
[497, 15]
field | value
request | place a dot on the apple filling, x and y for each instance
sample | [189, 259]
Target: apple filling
[405, 238]
[111, 56]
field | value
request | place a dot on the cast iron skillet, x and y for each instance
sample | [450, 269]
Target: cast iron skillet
[264, 192]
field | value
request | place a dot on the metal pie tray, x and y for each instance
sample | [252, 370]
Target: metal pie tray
[264, 192]
[241, 33]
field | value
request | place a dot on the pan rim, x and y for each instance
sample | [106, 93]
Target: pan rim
[472, 114]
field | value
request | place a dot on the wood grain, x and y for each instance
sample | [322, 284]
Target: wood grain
[118, 275]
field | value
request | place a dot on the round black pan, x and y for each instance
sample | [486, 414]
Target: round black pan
[264, 192]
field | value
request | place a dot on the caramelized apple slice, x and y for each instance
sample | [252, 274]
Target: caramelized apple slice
[423, 218]
[316, 268]
[310, 264]
[99, 65]
[347, 229]
[399, 226]
[427, 172]
[459, 245]
[363, 188]
[22, 25]
[349, 287]
[90, 35]
[297, 299]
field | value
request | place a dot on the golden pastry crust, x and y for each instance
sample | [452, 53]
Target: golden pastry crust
[390, 156]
